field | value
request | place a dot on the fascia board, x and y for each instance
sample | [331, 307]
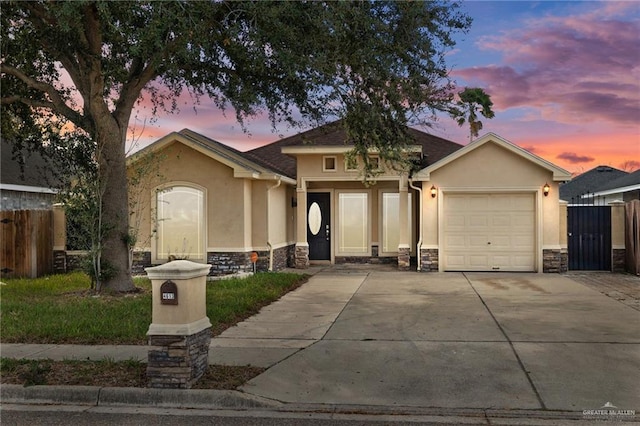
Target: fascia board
[616, 190]
[28, 188]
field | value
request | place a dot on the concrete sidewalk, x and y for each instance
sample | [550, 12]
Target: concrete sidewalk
[452, 341]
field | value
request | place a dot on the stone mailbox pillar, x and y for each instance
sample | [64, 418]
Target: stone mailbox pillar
[180, 331]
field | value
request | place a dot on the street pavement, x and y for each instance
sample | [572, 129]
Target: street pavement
[536, 344]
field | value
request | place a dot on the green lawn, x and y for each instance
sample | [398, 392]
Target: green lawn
[61, 309]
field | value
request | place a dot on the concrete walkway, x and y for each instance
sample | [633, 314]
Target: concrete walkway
[455, 341]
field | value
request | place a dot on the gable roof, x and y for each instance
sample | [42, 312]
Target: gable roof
[590, 182]
[37, 175]
[334, 135]
[559, 174]
[243, 167]
[625, 183]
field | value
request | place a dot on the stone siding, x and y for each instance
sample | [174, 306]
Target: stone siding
[429, 260]
[404, 259]
[618, 260]
[555, 261]
[179, 361]
[77, 260]
[59, 262]
[301, 257]
[141, 260]
[386, 260]
[225, 263]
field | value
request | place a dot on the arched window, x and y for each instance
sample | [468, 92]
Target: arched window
[180, 223]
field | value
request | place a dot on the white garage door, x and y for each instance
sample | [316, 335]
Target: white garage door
[489, 232]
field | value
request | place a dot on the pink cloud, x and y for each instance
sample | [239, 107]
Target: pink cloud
[574, 158]
[574, 69]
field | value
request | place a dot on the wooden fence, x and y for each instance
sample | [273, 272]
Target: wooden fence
[26, 237]
[632, 236]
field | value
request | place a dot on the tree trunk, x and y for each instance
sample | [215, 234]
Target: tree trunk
[115, 207]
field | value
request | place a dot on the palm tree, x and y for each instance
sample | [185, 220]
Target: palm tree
[473, 100]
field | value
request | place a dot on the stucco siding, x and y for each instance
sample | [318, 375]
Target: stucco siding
[493, 169]
[225, 205]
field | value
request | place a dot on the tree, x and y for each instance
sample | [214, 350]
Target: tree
[377, 65]
[471, 102]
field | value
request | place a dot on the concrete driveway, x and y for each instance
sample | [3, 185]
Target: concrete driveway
[452, 340]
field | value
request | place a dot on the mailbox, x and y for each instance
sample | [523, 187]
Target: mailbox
[169, 293]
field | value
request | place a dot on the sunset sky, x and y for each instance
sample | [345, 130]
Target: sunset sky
[564, 77]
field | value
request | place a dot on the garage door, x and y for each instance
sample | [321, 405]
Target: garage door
[489, 232]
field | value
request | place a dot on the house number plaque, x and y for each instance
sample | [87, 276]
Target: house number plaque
[169, 293]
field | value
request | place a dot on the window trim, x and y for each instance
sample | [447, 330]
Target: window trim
[324, 163]
[155, 222]
[355, 168]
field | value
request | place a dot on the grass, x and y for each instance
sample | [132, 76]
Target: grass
[61, 309]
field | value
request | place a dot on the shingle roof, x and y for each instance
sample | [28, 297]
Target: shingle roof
[589, 182]
[37, 171]
[333, 134]
[621, 182]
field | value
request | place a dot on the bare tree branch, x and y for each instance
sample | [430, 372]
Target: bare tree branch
[57, 102]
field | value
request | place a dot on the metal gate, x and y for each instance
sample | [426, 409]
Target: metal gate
[589, 239]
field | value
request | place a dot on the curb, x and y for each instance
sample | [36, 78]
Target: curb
[114, 396]
[205, 399]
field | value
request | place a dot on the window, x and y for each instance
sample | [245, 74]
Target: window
[375, 163]
[329, 164]
[350, 163]
[180, 227]
[353, 223]
[390, 221]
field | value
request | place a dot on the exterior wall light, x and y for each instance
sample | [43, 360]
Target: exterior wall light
[434, 191]
[545, 189]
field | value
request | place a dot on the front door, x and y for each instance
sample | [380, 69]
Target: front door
[319, 225]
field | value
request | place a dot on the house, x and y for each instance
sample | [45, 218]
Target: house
[486, 206]
[625, 188]
[30, 225]
[588, 183]
[26, 180]
[207, 202]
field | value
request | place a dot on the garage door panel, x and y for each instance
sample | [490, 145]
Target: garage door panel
[491, 232]
[477, 241]
[456, 261]
[522, 242]
[456, 241]
[478, 260]
[501, 221]
[454, 221]
[501, 242]
[478, 203]
[480, 221]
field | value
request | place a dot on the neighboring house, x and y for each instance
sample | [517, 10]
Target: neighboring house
[30, 226]
[588, 183]
[30, 186]
[624, 188]
[486, 206]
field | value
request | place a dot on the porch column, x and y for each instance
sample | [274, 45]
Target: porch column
[302, 246]
[404, 247]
